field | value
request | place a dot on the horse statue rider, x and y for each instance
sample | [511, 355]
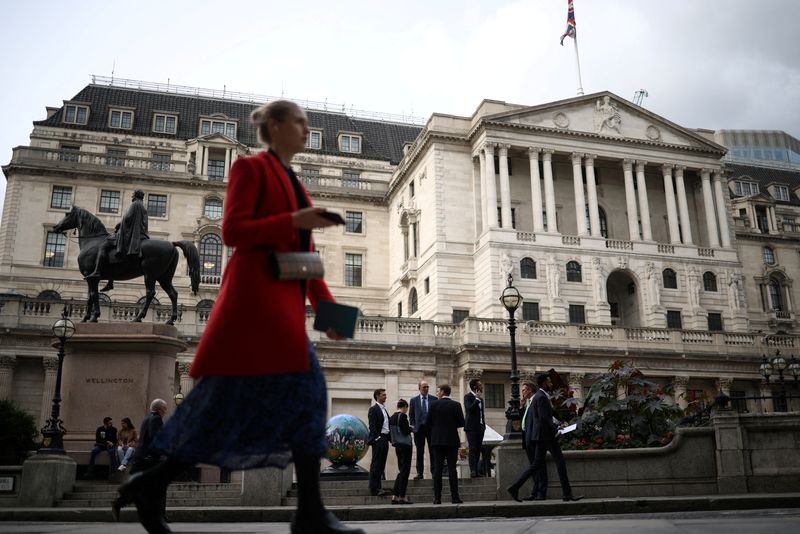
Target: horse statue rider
[126, 239]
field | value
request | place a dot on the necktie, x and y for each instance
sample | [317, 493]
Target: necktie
[424, 407]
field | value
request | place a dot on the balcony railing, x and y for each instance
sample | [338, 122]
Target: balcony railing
[84, 160]
[322, 182]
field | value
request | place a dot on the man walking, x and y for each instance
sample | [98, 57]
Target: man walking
[475, 425]
[539, 489]
[418, 417]
[445, 418]
[543, 435]
[379, 440]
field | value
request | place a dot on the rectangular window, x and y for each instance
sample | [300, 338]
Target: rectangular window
[167, 124]
[399, 309]
[310, 176]
[61, 197]
[120, 119]
[674, 319]
[353, 222]
[225, 128]
[109, 201]
[353, 266]
[714, 322]
[494, 396]
[350, 143]
[781, 192]
[69, 153]
[161, 162]
[411, 189]
[314, 140]
[115, 157]
[351, 179]
[427, 285]
[460, 315]
[577, 314]
[54, 248]
[530, 311]
[789, 224]
[230, 130]
[738, 402]
[74, 114]
[216, 170]
[156, 205]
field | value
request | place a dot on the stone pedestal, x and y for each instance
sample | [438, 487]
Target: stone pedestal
[45, 479]
[115, 370]
[266, 486]
[511, 462]
[732, 464]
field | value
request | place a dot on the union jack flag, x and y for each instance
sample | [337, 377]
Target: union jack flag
[570, 22]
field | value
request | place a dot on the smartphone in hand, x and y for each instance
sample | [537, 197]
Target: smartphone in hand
[332, 216]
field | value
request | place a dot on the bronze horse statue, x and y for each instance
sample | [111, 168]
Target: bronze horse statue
[157, 263]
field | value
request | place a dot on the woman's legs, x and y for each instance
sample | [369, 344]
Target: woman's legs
[148, 490]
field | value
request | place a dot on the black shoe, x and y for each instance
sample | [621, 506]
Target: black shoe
[418, 477]
[149, 510]
[327, 523]
[406, 502]
[383, 493]
[540, 498]
[572, 497]
[457, 500]
[397, 502]
[530, 498]
[437, 501]
[108, 287]
[514, 492]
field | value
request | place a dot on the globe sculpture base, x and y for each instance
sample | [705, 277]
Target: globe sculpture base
[346, 437]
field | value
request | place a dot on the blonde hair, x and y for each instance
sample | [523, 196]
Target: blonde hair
[277, 110]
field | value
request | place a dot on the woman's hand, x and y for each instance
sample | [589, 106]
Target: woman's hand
[331, 333]
[310, 218]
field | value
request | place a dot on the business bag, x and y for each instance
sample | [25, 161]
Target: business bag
[296, 265]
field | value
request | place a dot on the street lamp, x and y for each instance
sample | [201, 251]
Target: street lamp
[53, 431]
[178, 398]
[512, 300]
[779, 364]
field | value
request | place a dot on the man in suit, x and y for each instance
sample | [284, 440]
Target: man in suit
[445, 418]
[378, 419]
[475, 424]
[544, 436]
[418, 417]
[539, 489]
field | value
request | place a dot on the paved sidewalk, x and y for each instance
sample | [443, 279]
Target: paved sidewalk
[739, 522]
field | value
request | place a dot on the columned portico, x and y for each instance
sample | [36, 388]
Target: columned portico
[549, 192]
[630, 201]
[708, 205]
[644, 206]
[536, 190]
[683, 206]
[491, 187]
[7, 365]
[722, 212]
[672, 211]
[591, 197]
[580, 203]
[505, 187]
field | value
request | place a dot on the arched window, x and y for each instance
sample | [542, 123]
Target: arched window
[769, 255]
[153, 302]
[104, 298]
[527, 268]
[412, 301]
[574, 272]
[709, 281]
[603, 221]
[212, 208]
[670, 279]
[204, 309]
[49, 294]
[210, 255]
[775, 294]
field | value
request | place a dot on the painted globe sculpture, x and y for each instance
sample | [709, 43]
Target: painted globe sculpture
[346, 436]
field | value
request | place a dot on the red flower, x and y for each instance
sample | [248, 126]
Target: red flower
[670, 434]
[599, 440]
[583, 441]
[590, 449]
[620, 437]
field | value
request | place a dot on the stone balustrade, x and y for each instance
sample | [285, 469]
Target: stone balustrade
[109, 163]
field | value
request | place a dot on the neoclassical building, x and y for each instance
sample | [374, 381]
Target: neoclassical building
[629, 237]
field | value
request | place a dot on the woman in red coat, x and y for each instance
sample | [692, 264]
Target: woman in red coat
[261, 399]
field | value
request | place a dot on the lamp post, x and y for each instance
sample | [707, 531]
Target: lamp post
[53, 431]
[779, 364]
[512, 300]
[178, 398]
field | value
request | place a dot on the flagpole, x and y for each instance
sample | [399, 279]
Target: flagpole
[578, 64]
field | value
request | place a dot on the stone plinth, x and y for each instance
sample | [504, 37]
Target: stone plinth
[115, 370]
[45, 479]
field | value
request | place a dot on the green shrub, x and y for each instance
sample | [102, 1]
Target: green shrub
[18, 433]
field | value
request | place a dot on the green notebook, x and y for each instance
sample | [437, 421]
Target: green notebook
[340, 317]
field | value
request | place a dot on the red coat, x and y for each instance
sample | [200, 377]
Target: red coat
[257, 325]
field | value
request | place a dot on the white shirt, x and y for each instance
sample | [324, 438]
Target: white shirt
[385, 427]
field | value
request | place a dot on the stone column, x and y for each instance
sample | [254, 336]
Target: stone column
[392, 389]
[767, 406]
[482, 199]
[7, 365]
[203, 161]
[576, 385]
[536, 190]
[773, 220]
[491, 187]
[630, 201]
[577, 185]
[683, 206]
[722, 212]
[549, 192]
[227, 162]
[505, 187]
[672, 212]
[186, 381]
[708, 205]
[591, 197]
[679, 384]
[50, 365]
[644, 206]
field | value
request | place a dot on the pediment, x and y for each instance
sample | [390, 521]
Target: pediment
[606, 115]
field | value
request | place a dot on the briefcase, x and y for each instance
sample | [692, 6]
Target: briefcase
[296, 265]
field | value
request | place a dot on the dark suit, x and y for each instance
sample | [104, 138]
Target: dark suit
[474, 427]
[379, 440]
[403, 452]
[445, 418]
[145, 457]
[539, 488]
[422, 433]
[542, 436]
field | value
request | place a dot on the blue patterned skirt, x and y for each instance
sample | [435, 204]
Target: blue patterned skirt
[244, 422]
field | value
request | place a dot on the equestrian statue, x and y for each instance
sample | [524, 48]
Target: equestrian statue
[134, 255]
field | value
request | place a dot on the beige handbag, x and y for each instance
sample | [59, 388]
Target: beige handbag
[296, 265]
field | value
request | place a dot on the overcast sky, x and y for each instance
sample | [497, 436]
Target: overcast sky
[706, 64]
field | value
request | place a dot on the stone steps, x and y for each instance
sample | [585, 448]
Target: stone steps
[99, 494]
